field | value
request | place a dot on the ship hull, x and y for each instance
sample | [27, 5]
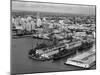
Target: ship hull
[66, 52]
[61, 54]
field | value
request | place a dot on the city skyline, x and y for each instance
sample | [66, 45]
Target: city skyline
[53, 8]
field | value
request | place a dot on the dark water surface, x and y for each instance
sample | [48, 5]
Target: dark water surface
[20, 62]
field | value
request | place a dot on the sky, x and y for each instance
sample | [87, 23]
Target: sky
[53, 8]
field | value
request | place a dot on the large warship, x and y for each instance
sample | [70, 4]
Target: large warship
[44, 52]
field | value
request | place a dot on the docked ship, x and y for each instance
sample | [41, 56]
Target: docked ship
[45, 53]
[59, 50]
[69, 49]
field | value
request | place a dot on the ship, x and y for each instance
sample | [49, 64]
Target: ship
[55, 51]
[70, 49]
[44, 52]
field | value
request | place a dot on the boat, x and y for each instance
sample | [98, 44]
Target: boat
[69, 50]
[63, 54]
[53, 52]
[44, 52]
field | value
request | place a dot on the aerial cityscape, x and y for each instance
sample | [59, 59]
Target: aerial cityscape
[48, 40]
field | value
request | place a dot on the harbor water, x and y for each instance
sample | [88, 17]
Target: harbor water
[21, 63]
